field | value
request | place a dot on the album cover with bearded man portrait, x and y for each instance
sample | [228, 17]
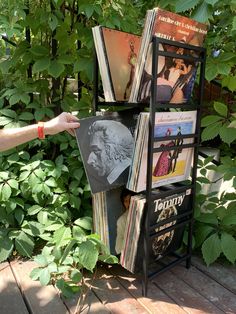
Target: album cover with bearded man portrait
[106, 146]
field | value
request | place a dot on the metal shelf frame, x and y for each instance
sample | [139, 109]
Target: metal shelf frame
[182, 219]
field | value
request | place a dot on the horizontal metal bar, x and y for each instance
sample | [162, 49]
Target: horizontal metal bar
[173, 137]
[183, 146]
[181, 106]
[177, 44]
[179, 56]
[168, 266]
[172, 218]
[164, 193]
[175, 226]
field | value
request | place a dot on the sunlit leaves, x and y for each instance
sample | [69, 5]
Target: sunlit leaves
[88, 255]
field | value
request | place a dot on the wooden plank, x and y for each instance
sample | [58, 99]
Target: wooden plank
[205, 286]
[40, 299]
[185, 294]
[11, 300]
[91, 305]
[223, 274]
[156, 301]
[4, 265]
[112, 294]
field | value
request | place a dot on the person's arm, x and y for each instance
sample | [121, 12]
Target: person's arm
[10, 138]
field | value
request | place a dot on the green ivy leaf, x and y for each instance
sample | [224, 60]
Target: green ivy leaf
[210, 119]
[14, 99]
[75, 201]
[39, 51]
[33, 180]
[229, 220]
[10, 206]
[228, 135]
[211, 131]
[5, 192]
[38, 188]
[67, 250]
[85, 222]
[26, 116]
[87, 8]
[44, 277]
[211, 71]
[6, 247]
[24, 175]
[62, 236]
[78, 233]
[53, 22]
[107, 258]
[8, 113]
[43, 217]
[45, 189]
[55, 69]
[35, 273]
[41, 260]
[5, 121]
[51, 182]
[223, 68]
[78, 174]
[230, 82]
[202, 13]
[13, 184]
[52, 267]
[4, 175]
[211, 249]
[35, 228]
[221, 108]
[63, 146]
[88, 255]
[19, 215]
[41, 65]
[182, 6]
[232, 124]
[24, 244]
[53, 227]
[25, 98]
[208, 218]
[201, 233]
[67, 290]
[76, 276]
[228, 244]
[211, 2]
[39, 173]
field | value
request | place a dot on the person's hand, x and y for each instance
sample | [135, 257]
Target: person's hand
[64, 122]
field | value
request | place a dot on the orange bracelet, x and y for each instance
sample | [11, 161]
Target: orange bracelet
[41, 134]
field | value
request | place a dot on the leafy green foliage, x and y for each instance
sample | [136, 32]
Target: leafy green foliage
[63, 264]
[223, 124]
[215, 212]
[45, 199]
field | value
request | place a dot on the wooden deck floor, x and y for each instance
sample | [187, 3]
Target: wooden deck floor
[177, 291]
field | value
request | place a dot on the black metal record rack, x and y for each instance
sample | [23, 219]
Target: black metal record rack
[183, 219]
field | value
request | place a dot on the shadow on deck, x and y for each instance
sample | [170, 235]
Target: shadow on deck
[199, 289]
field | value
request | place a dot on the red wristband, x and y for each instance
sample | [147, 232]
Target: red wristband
[41, 134]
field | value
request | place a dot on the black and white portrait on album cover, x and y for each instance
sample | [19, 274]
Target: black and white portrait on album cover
[106, 146]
